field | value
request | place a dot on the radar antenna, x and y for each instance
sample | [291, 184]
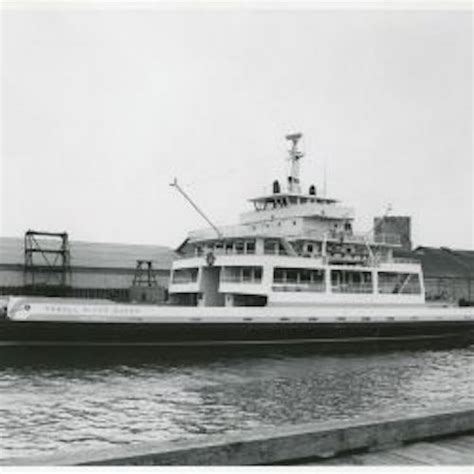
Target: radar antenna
[295, 156]
[178, 187]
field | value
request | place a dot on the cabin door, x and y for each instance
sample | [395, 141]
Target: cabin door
[210, 287]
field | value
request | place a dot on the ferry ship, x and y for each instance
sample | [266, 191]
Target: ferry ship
[292, 271]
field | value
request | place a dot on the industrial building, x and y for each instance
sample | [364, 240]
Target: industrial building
[448, 273]
[50, 264]
[395, 225]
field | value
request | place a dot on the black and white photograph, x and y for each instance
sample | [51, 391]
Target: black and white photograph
[237, 233]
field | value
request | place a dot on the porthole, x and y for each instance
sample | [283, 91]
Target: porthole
[248, 319]
[284, 319]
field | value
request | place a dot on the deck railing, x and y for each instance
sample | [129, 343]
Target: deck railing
[353, 288]
[238, 279]
[404, 260]
[317, 288]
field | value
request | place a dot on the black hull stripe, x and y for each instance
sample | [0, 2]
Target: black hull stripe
[352, 340]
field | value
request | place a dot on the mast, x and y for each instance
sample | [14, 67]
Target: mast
[294, 156]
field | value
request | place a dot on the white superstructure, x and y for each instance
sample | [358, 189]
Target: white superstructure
[294, 249]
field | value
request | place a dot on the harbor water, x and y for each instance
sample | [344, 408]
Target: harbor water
[65, 400]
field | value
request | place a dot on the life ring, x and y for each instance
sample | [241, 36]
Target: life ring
[210, 259]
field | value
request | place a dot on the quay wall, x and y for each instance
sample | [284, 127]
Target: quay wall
[286, 445]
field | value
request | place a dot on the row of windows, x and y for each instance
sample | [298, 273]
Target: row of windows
[348, 281]
[308, 279]
[246, 274]
[272, 247]
[240, 247]
[229, 247]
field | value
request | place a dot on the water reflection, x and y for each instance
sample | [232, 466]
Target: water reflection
[60, 399]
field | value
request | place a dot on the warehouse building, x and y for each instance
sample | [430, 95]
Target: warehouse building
[448, 273]
[48, 264]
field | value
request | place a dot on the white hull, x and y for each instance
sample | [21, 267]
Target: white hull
[30, 309]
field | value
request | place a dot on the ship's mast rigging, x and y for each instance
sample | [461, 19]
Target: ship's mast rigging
[201, 213]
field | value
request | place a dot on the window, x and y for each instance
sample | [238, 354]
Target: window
[305, 276]
[292, 275]
[185, 275]
[231, 274]
[351, 281]
[281, 249]
[279, 275]
[399, 283]
[270, 247]
[246, 274]
[250, 246]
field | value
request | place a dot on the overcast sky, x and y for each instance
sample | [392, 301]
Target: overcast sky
[102, 108]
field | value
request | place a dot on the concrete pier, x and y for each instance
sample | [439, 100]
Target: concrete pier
[450, 451]
[314, 443]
